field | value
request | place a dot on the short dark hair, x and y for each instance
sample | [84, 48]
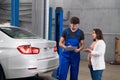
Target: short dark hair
[75, 20]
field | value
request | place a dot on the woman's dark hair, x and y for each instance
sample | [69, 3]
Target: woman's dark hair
[99, 34]
[74, 20]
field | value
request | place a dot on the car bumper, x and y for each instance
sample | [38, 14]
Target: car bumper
[30, 67]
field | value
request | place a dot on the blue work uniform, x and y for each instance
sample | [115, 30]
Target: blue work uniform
[70, 59]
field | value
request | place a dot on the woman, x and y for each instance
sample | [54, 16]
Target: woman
[96, 54]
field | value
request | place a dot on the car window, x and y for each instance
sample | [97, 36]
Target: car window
[18, 33]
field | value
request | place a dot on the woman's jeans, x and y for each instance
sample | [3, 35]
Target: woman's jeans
[96, 74]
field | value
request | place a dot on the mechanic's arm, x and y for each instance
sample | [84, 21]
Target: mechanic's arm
[81, 46]
[61, 43]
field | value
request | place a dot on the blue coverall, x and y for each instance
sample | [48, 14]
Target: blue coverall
[70, 59]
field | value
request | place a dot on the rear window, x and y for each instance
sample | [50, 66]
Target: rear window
[18, 33]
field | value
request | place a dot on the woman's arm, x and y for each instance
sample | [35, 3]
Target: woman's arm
[99, 49]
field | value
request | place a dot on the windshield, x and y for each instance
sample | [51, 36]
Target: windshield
[18, 33]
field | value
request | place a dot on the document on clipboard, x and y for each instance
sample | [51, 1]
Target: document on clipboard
[70, 48]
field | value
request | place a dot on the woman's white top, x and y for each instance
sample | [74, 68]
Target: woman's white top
[98, 53]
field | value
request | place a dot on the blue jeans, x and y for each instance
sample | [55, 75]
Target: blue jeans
[96, 74]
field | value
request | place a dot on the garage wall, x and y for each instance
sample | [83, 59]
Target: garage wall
[38, 17]
[25, 12]
[31, 13]
[104, 14]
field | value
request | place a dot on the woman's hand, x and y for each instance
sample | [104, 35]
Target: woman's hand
[87, 50]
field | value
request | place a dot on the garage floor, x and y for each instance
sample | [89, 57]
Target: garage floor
[112, 72]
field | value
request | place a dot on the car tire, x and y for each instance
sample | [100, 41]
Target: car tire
[2, 76]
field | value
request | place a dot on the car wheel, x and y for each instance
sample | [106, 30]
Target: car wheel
[2, 76]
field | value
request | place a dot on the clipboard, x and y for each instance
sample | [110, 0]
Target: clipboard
[71, 48]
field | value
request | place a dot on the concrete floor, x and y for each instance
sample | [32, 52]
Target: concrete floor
[112, 72]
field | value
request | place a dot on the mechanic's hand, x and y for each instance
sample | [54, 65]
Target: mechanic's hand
[77, 50]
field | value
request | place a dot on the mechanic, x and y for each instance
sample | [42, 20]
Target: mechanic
[72, 42]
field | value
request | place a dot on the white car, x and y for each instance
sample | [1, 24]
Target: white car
[23, 54]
